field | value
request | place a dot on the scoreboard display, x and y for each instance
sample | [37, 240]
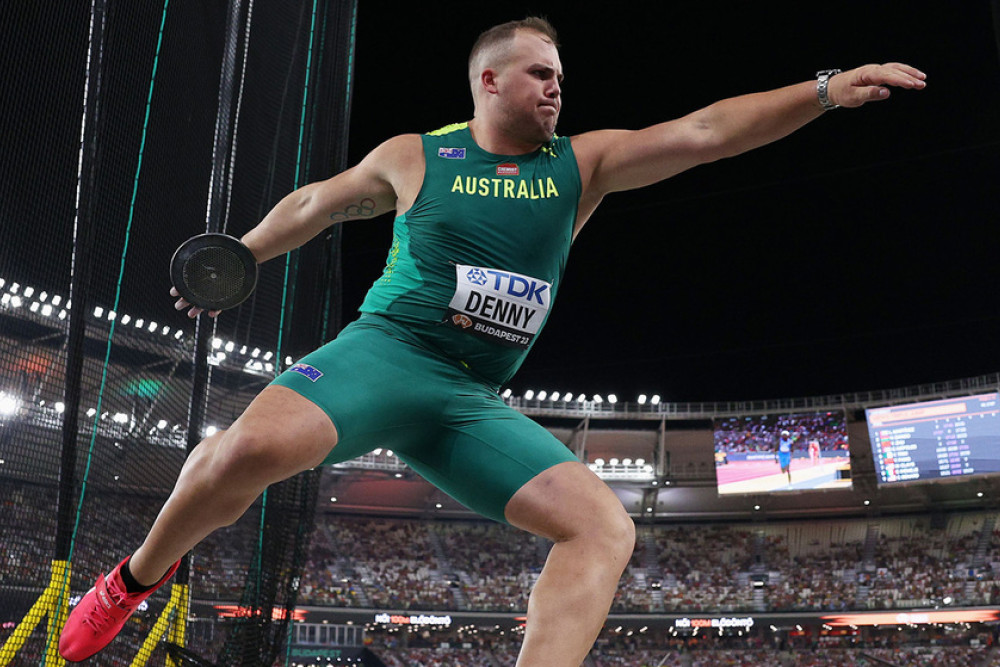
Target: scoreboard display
[936, 440]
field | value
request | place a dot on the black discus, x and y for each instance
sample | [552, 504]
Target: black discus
[214, 271]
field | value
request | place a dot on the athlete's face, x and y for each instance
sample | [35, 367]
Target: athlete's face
[529, 88]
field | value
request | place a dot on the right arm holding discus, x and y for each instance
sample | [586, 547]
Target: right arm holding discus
[387, 179]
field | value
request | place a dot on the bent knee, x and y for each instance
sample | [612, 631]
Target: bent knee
[611, 530]
[242, 454]
[619, 534]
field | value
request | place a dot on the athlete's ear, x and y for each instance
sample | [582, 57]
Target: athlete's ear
[489, 80]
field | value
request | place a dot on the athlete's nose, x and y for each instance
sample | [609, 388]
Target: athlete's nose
[554, 90]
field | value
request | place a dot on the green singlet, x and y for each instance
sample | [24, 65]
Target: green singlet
[469, 282]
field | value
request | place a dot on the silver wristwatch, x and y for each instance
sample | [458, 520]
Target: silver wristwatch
[822, 83]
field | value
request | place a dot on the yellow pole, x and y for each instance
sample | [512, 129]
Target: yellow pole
[175, 610]
[54, 603]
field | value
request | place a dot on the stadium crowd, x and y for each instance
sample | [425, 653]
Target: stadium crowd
[399, 563]
[396, 563]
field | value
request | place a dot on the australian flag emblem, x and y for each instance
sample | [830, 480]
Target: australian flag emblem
[310, 372]
[452, 153]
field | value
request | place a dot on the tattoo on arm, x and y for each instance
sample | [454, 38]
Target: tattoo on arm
[364, 209]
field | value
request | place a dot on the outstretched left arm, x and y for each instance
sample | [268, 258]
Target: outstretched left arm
[615, 160]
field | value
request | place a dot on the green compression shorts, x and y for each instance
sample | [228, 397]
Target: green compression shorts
[382, 388]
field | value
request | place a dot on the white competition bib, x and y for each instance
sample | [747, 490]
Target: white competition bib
[500, 306]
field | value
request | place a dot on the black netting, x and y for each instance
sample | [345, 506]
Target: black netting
[128, 128]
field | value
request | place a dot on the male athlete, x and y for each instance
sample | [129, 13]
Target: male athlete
[486, 212]
[784, 453]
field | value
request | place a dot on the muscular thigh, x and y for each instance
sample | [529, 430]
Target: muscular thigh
[378, 389]
[485, 452]
[382, 389]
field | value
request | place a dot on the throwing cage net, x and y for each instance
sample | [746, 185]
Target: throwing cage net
[129, 127]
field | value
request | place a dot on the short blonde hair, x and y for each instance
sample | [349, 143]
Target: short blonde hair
[492, 48]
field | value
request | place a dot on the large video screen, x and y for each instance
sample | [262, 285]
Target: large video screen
[790, 452]
[936, 440]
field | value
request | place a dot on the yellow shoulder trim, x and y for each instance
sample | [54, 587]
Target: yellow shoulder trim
[448, 129]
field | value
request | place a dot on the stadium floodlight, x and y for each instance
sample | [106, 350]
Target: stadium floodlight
[91, 412]
[288, 361]
[581, 399]
[34, 306]
[29, 291]
[377, 451]
[979, 494]
[640, 462]
[211, 430]
[14, 287]
[626, 462]
[230, 346]
[56, 300]
[178, 334]
[255, 353]
[507, 393]
[112, 315]
[655, 400]
[125, 318]
[216, 343]
[598, 399]
[120, 418]
[613, 462]
[530, 394]
[555, 396]
[139, 323]
[388, 453]
[153, 326]
[333, 499]
[43, 296]
[542, 395]
[268, 355]
[5, 299]
[8, 404]
[62, 314]
[756, 507]
[162, 424]
[568, 397]
[164, 331]
[642, 399]
[98, 311]
[438, 505]
[15, 301]
[60, 407]
[612, 399]
[599, 462]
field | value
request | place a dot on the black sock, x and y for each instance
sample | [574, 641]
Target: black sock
[131, 585]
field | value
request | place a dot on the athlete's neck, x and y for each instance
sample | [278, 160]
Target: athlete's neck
[493, 140]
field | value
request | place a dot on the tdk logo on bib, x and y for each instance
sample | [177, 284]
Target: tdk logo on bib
[476, 276]
[506, 308]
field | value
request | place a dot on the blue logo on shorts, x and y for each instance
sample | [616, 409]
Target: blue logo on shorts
[477, 276]
[310, 372]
